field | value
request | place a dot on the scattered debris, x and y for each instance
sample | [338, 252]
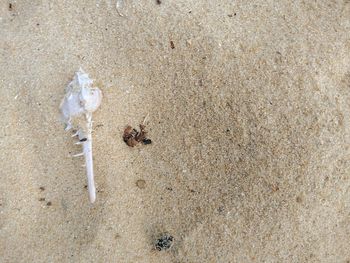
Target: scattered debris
[42, 188]
[49, 203]
[141, 184]
[299, 199]
[132, 136]
[10, 6]
[41, 199]
[275, 188]
[221, 209]
[158, 2]
[99, 125]
[172, 45]
[164, 242]
[147, 141]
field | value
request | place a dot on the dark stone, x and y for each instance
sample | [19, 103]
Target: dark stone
[164, 242]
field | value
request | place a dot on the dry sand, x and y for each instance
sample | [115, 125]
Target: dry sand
[248, 114]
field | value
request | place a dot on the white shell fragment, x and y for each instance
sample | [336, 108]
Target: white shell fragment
[77, 106]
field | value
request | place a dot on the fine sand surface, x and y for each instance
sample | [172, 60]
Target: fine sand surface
[249, 117]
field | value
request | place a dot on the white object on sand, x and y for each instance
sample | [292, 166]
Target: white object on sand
[81, 100]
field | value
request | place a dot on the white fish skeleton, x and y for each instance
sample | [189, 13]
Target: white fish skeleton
[77, 106]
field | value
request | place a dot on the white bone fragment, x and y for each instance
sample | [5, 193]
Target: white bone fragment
[77, 106]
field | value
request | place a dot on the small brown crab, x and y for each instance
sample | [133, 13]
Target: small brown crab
[132, 136]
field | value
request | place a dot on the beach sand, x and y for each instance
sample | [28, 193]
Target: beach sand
[248, 113]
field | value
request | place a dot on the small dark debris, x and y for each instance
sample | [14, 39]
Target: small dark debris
[132, 136]
[141, 184]
[275, 188]
[172, 45]
[49, 203]
[164, 242]
[169, 188]
[158, 2]
[147, 141]
[190, 12]
[42, 188]
[228, 130]
[10, 7]
[230, 15]
[85, 186]
[37, 24]
[83, 140]
[192, 191]
[298, 199]
[98, 126]
[41, 199]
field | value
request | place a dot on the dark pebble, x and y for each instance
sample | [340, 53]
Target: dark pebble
[164, 242]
